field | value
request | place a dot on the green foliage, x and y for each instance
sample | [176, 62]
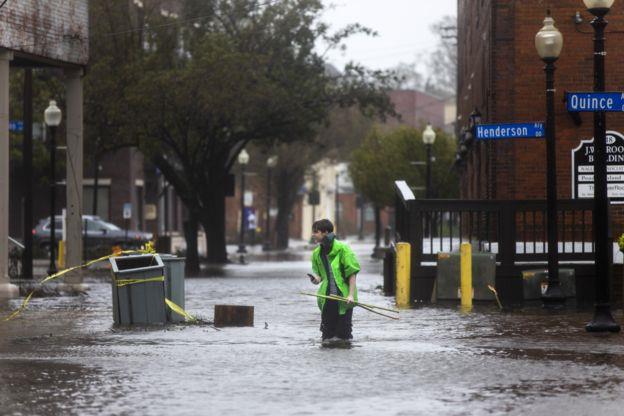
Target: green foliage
[45, 87]
[192, 91]
[385, 158]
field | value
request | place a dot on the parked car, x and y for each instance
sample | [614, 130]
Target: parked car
[96, 233]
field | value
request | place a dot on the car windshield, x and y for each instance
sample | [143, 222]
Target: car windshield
[58, 224]
[103, 225]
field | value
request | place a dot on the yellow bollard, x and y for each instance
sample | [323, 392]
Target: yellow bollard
[61, 254]
[466, 275]
[403, 258]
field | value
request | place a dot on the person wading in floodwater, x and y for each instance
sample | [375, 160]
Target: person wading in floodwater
[335, 267]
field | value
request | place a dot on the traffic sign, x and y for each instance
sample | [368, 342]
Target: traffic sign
[533, 130]
[127, 211]
[592, 102]
[16, 126]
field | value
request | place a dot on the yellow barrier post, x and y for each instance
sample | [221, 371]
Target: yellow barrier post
[466, 275]
[403, 258]
[61, 254]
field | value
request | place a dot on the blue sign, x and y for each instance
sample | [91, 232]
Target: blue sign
[594, 101]
[16, 126]
[509, 131]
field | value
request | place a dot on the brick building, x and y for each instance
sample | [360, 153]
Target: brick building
[501, 75]
[416, 108]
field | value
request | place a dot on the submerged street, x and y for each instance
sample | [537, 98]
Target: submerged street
[63, 355]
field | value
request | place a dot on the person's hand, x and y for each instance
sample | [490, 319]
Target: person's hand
[350, 300]
[314, 279]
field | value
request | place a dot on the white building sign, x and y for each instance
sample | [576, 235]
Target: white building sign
[583, 168]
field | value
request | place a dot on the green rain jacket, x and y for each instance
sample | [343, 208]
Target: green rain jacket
[343, 264]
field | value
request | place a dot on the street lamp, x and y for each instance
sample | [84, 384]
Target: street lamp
[475, 118]
[548, 42]
[428, 137]
[243, 159]
[271, 163]
[603, 320]
[337, 203]
[52, 117]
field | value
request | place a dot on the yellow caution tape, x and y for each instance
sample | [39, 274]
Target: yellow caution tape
[126, 282]
[148, 248]
[179, 310]
[21, 308]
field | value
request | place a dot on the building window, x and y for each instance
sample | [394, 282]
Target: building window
[103, 201]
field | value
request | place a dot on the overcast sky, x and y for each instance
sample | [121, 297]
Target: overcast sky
[403, 27]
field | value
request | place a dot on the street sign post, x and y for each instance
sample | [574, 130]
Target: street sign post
[533, 130]
[127, 214]
[127, 211]
[592, 102]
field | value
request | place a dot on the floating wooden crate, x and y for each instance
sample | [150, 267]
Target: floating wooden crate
[233, 315]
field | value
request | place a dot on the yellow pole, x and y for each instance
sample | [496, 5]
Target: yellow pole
[61, 254]
[403, 258]
[466, 275]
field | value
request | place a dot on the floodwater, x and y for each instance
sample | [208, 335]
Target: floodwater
[63, 356]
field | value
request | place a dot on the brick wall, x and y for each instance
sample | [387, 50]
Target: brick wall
[53, 29]
[510, 86]
[416, 109]
[474, 85]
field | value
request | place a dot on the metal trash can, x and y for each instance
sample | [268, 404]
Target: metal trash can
[138, 293]
[535, 282]
[174, 283]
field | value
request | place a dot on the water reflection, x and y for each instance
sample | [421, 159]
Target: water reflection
[63, 356]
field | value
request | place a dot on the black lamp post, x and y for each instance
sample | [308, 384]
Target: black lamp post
[337, 203]
[548, 42]
[52, 116]
[271, 163]
[603, 319]
[428, 137]
[243, 159]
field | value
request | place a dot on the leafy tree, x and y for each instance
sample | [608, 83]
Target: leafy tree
[442, 80]
[193, 90]
[441, 76]
[248, 74]
[46, 86]
[117, 38]
[385, 158]
[335, 141]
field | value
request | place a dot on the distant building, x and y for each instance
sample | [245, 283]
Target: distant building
[419, 108]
